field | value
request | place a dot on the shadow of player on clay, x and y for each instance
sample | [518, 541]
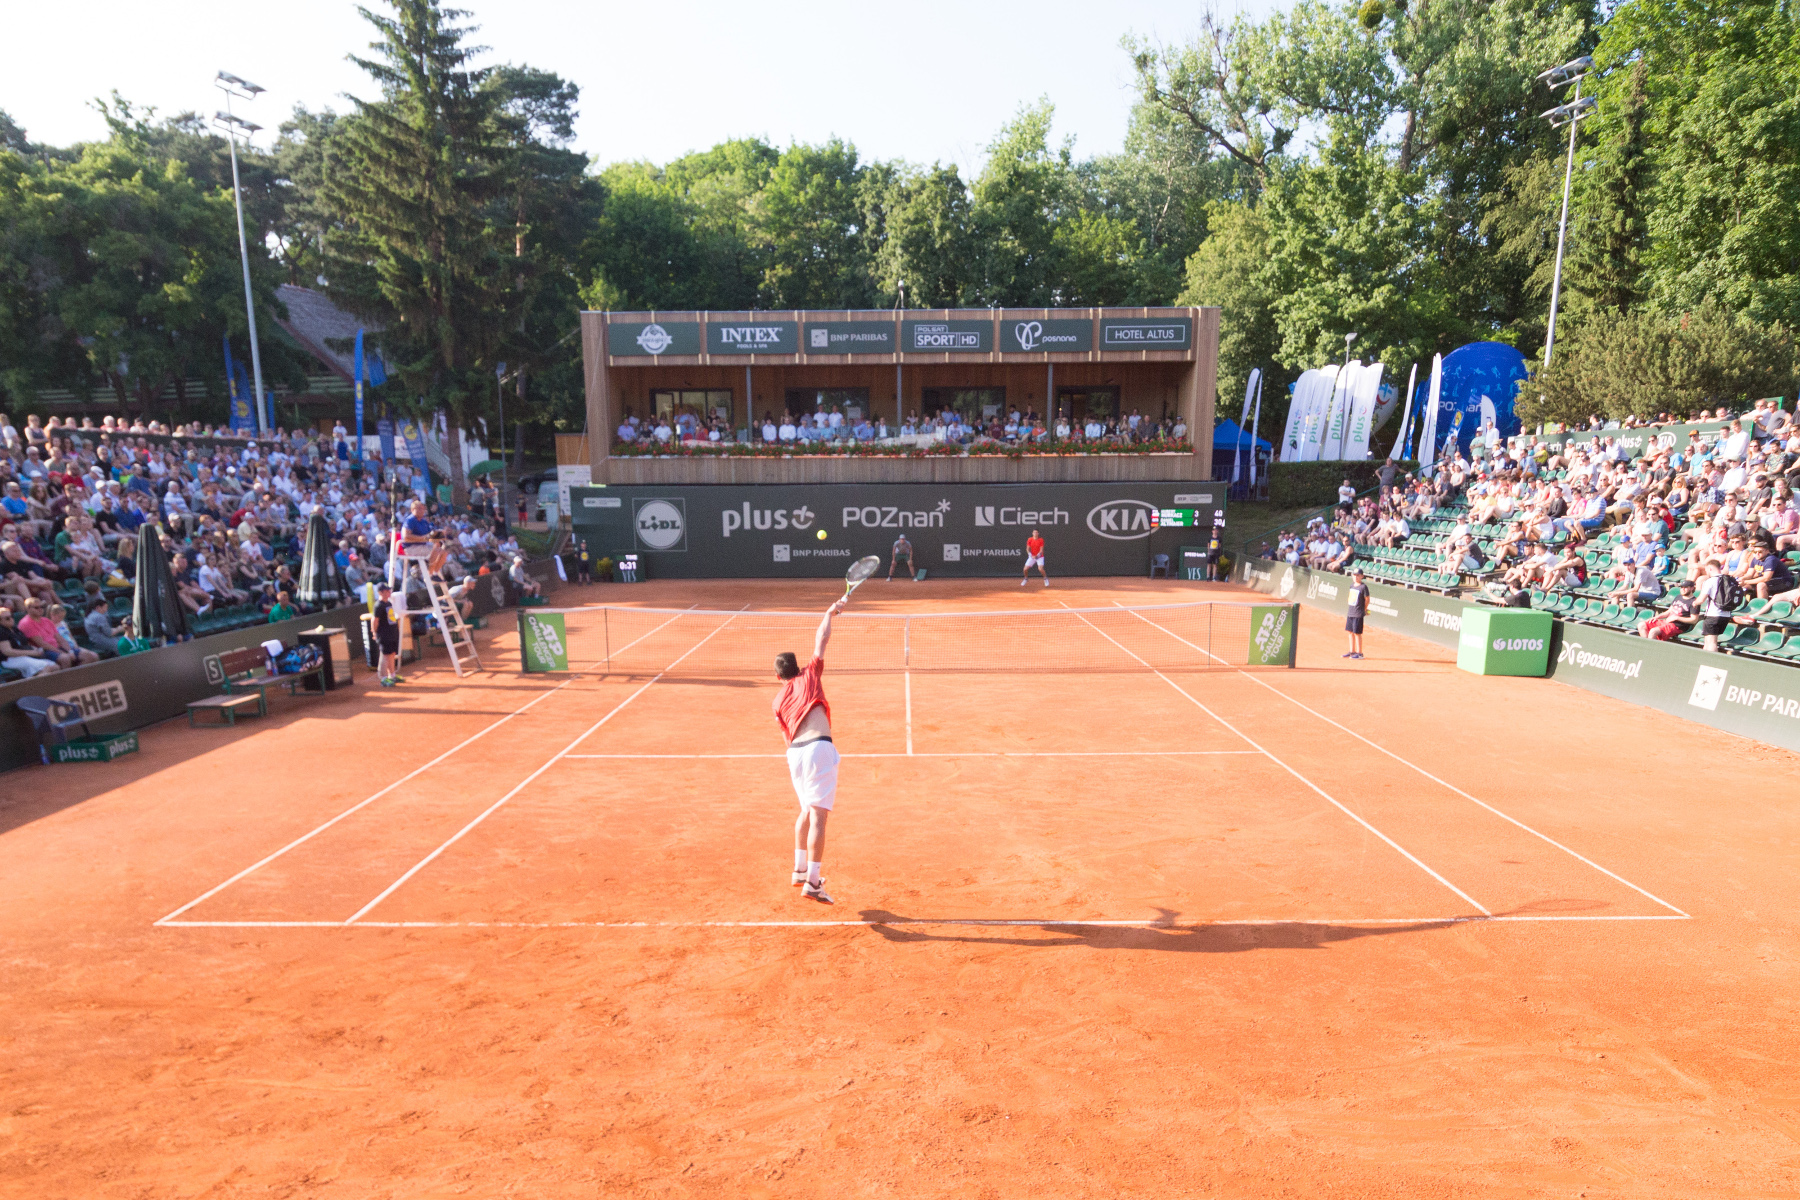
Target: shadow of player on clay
[1165, 934]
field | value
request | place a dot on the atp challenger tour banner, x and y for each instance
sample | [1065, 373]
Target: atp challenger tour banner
[805, 531]
[1745, 696]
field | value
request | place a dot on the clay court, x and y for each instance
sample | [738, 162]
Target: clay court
[1113, 920]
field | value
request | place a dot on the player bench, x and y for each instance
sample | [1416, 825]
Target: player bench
[247, 683]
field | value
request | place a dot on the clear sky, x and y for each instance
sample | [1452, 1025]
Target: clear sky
[924, 81]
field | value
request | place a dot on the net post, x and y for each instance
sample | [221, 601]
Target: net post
[524, 658]
[1210, 609]
[906, 642]
[1294, 638]
[606, 628]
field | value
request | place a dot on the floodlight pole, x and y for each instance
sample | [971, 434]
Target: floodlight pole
[237, 196]
[1556, 77]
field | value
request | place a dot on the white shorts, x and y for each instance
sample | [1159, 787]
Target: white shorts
[1034, 560]
[30, 667]
[813, 768]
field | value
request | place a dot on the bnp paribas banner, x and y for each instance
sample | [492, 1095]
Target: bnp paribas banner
[959, 530]
[1745, 696]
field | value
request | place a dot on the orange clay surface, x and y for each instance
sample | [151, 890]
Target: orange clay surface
[1311, 1002]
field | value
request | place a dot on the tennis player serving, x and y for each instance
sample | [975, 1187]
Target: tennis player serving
[805, 719]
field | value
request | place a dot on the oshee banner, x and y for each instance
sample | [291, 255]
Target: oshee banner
[1745, 696]
[818, 530]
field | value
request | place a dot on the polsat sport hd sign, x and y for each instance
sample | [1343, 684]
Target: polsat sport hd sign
[956, 530]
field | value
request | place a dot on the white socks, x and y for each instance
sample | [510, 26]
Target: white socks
[812, 873]
[799, 860]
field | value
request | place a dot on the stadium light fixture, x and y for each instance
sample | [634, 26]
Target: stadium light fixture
[243, 89]
[1569, 114]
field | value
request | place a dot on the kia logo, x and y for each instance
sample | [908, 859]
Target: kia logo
[1121, 520]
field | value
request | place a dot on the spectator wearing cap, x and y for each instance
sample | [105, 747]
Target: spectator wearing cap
[1357, 610]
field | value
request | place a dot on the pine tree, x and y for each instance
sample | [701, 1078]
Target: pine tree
[414, 192]
[1608, 271]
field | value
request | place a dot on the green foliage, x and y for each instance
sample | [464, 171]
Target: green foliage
[1644, 364]
[1314, 484]
[1227, 271]
[809, 214]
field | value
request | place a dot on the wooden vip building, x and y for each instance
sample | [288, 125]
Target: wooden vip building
[1072, 363]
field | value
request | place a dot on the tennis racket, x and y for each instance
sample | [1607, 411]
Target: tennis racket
[859, 571]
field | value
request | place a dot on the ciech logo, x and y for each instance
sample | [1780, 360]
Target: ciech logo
[661, 524]
[1121, 520]
[654, 339]
[990, 514]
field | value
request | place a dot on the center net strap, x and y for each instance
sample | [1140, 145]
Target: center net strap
[1166, 637]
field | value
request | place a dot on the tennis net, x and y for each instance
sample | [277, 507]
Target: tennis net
[712, 642]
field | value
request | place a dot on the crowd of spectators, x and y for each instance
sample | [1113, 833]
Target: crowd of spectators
[1695, 526]
[831, 424]
[231, 513]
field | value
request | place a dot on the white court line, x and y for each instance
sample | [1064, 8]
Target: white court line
[1062, 923]
[563, 753]
[962, 754]
[304, 838]
[1427, 774]
[909, 749]
[658, 629]
[1410, 857]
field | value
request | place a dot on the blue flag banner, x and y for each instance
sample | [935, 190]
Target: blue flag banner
[384, 429]
[245, 394]
[241, 420]
[415, 450]
[356, 455]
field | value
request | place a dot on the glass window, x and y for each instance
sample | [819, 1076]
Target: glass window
[971, 404]
[852, 402]
[1080, 403]
[702, 403]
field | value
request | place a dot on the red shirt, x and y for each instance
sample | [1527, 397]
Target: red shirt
[799, 696]
[1034, 546]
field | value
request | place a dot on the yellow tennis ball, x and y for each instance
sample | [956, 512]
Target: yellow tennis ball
[821, 535]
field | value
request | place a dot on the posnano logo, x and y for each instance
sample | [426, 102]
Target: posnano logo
[1709, 685]
[654, 339]
[1121, 520]
[661, 524]
[1518, 643]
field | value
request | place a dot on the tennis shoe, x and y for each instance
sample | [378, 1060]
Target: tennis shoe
[799, 878]
[1023, 582]
[816, 891]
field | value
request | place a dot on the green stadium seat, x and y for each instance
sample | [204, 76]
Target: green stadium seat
[1780, 610]
[1740, 637]
[1770, 643]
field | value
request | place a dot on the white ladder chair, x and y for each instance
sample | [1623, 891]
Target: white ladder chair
[459, 642]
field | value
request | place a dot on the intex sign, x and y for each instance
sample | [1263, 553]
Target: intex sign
[1121, 520]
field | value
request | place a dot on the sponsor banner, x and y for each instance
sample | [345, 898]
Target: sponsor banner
[656, 338]
[1744, 696]
[773, 531]
[1272, 630]
[946, 337]
[118, 694]
[544, 640]
[1151, 333]
[1646, 440]
[1036, 336]
[848, 337]
[1504, 641]
[752, 337]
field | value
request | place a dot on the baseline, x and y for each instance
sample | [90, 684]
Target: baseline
[359, 806]
[1060, 922]
[1328, 797]
[1445, 784]
[522, 784]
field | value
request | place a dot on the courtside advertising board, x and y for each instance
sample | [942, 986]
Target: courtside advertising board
[956, 530]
